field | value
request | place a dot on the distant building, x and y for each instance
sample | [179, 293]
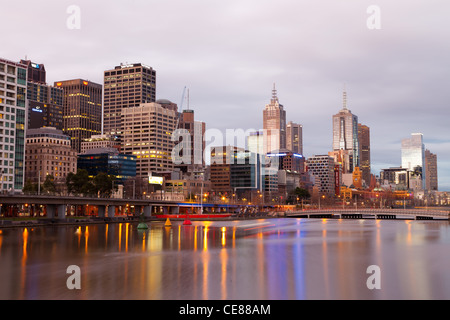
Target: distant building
[82, 116]
[109, 161]
[98, 141]
[48, 152]
[431, 175]
[322, 167]
[274, 124]
[364, 152]
[148, 136]
[294, 137]
[345, 134]
[13, 108]
[126, 86]
[413, 155]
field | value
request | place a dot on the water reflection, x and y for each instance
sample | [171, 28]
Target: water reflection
[254, 259]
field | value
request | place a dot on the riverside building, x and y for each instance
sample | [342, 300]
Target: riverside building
[13, 117]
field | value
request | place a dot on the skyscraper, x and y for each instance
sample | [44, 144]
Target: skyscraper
[126, 86]
[364, 151]
[431, 174]
[345, 134]
[82, 116]
[413, 155]
[274, 124]
[294, 137]
[13, 105]
[197, 144]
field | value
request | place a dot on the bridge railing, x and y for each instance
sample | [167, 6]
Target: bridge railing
[442, 213]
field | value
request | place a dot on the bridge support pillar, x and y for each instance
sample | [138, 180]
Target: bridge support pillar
[50, 211]
[175, 210]
[61, 209]
[165, 210]
[148, 211]
[137, 210]
[101, 211]
[111, 211]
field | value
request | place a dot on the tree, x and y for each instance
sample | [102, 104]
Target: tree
[302, 193]
[103, 184]
[30, 187]
[49, 184]
[79, 183]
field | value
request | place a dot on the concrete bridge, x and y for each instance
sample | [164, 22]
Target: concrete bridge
[399, 214]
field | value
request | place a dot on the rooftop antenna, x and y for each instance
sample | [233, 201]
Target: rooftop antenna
[188, 99]
[274, 94]
[345, 98]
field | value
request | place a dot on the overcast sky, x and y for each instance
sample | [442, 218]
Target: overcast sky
[229, 54]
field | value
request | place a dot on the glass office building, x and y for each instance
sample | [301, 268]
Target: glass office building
[413, 155]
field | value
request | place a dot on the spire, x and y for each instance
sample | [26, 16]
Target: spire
[274, 94]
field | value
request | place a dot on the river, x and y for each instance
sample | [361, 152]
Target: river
[246, 259]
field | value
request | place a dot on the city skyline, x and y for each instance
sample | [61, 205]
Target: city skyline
[229, 55]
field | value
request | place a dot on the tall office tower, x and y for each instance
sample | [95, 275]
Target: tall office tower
[294, 137]
[196, 147]
[431, 175]
[82, 113]
[13, 106]
[45, 106]
[345, 134]
[36, 71]
[126, 86]
[413, 155]
[49, 153]
[274, 124]
[364, 152]
[148, 136]
[322, 167]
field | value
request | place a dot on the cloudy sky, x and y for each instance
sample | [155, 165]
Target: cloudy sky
[229, 54]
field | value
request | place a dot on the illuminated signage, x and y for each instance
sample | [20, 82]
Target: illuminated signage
[85, 83]
[35, 65]
[36, 109]
[155, 180]
[59, 84]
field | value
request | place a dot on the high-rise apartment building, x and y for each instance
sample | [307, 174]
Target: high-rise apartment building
[126, 86]
[431, 175]
[13, 106]
[49, 152]
[364, 152]
[322, 167]
[345, 134]
[274, 124]
[294, 137]
[148, 136]
[413, 155]
[82, 115]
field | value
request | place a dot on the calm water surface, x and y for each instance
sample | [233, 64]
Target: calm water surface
[252, 259]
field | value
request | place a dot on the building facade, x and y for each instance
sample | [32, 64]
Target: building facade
[48, 152]
[13, 118]
[125, 86]
[109, 161]
[413, 155]
[82, 112]
[294, 137]
[322, 167]
[148, 136]
[431, 175]
[364, 152]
